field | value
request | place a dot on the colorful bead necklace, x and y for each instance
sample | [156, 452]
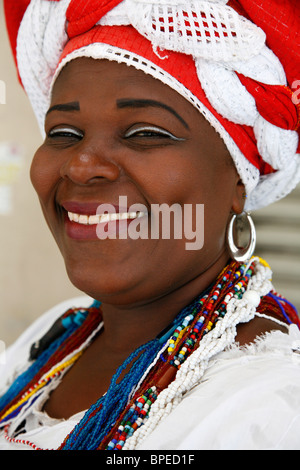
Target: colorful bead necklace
[53, 374]
[123, 411]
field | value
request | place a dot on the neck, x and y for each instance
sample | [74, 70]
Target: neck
[128, 326]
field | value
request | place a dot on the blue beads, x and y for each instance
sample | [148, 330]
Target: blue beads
[74, 319]
[99, 419]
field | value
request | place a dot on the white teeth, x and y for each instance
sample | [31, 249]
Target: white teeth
[102, 218]
[105, 218]
[83, 219]
[108, 217]
[93, 219]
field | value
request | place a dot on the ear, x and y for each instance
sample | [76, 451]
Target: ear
[239, 197]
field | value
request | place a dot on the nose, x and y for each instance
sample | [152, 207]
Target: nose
[86, 165]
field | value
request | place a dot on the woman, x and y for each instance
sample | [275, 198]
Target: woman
[185, 344]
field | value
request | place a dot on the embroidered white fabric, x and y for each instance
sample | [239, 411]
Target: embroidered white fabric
[221, 43]
[207, 29]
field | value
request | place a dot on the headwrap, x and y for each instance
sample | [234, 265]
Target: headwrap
[236, 61]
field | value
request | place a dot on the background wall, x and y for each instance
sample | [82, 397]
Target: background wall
[32, 274]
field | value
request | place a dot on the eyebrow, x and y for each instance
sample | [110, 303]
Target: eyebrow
[142, 103]
[73, 106]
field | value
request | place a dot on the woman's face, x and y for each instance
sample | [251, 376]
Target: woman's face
[115, 134]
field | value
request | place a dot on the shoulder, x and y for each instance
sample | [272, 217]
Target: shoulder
[249, 332]
[273, 313]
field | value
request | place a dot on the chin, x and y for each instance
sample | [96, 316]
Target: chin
[99, 283]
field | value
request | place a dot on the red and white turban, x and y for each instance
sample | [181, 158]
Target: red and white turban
[236, 61]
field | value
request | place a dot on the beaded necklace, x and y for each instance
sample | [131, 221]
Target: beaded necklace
[55, 359]
[124, 411]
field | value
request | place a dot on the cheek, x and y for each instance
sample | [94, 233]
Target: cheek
[43, 174]
[167, 176]
[209, 182]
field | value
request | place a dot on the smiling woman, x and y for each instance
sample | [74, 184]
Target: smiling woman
[169, 346]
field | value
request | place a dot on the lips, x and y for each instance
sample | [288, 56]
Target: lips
[85, 208]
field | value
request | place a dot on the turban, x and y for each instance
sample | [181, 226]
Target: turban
[236, 61]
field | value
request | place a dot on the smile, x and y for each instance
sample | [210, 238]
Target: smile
[103, 218]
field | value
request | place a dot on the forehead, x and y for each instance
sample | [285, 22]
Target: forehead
[87, 77]
[104, 72]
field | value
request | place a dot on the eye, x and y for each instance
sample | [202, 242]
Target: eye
[151, 132]
[65, 132]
